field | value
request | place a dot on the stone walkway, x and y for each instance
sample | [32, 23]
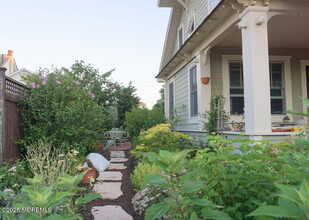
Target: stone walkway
[111, 190]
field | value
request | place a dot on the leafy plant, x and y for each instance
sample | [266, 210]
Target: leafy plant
[56, 201]
[239, 179]
[215, 114]
[140, 171]
[292, 204]
[183, 200]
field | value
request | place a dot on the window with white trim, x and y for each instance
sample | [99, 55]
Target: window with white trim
[180, 37]
[171, 98]
[236, 88]
[277, 90]
[193, 92]
[191, 25]
[213, 4]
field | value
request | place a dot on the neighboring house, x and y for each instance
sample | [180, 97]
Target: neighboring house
[255, 52]
[8, 61]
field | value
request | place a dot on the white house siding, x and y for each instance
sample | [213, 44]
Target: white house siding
[200, 8]
[296, 56]
[182, 100]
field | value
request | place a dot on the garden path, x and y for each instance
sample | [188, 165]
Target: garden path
[111, 190]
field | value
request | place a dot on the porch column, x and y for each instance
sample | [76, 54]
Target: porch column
[253, 26]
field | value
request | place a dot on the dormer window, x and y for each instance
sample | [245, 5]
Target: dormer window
[180, 37]
[191, 25]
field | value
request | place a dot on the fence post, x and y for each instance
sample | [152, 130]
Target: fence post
[2, 112]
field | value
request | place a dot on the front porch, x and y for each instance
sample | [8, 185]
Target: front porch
[260, 65]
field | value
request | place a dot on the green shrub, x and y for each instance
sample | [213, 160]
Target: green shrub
[139, 119]
[184, 199]
[158, 138]
[140, 171]
[63, 111]
[242, 180]
[14, 174]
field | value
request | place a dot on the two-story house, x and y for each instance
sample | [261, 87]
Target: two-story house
[254, 52]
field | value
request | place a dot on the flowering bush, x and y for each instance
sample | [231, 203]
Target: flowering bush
[61, 110]
[158, 138]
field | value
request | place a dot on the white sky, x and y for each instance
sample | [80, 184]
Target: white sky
[127, 35]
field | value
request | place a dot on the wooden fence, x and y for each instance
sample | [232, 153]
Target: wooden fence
[11, 122]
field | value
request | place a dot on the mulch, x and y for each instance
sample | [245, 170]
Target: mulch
[128, 193]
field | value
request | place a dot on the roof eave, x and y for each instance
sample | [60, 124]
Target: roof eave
[185, 45]
[167, 3]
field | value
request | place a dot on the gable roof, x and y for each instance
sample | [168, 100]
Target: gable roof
[171, 35]
[168, 57]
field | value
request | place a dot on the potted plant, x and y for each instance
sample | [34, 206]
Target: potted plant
[90, 175]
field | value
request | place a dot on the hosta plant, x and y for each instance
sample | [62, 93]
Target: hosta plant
[183, 200]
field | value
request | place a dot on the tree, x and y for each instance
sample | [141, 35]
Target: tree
[126, 100]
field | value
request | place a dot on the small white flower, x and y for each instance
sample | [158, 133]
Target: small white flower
[12, 169]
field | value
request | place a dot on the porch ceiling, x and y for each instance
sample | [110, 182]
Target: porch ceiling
[283, 32]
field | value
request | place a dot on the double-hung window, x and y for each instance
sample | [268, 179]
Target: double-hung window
[236, 88]
[277, 90]
[191, 25]
[193, 92]
[171, 98]
[180, 37]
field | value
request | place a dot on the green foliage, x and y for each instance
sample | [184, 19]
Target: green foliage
[107, 91]
[56, 201]
[292, 204]
[139, 119]
[216, 111]
[62, 110]
[183, 199]
[50, 161]
[160, 103]
[140, 171]
[126, 100]
[158, 138]
[14, 174]
[238, 180]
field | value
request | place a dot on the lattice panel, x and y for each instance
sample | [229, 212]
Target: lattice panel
[13, 88]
